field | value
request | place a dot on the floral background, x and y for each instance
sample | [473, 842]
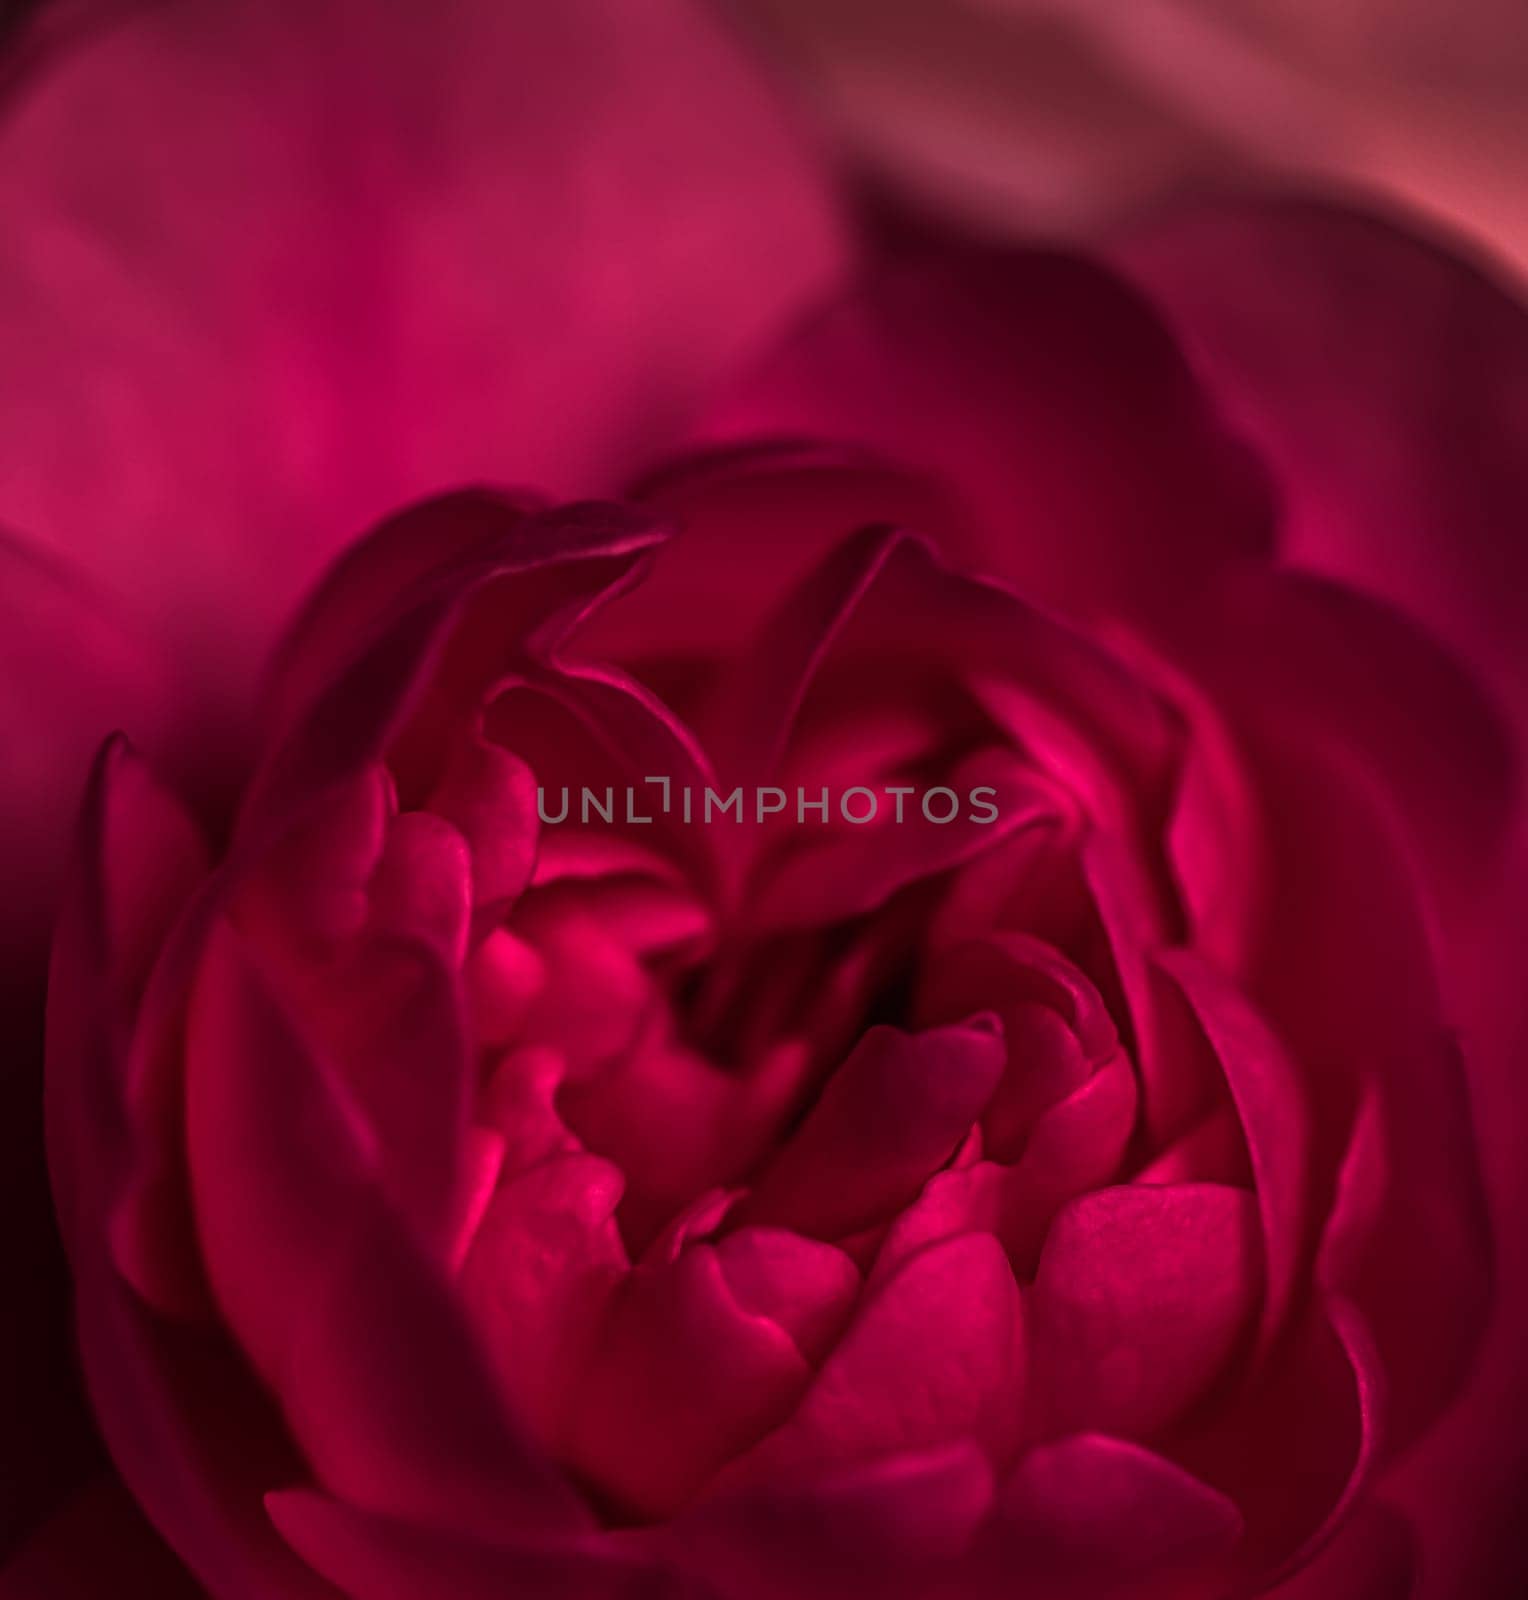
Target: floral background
[403, 405]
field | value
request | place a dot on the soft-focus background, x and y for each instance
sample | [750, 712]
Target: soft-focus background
[1065, 115]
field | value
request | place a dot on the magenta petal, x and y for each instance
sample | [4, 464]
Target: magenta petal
[383, 1558]
[883, 1528]
[406, 256]
[1347, 973]
[72, 675]
[936, 1355]
[1393, 417]
[751, 523]
[1274, 1118]
[140, 859]
[893, 1113]
[452, 639]
[1047, 395]
[390, 1021]
[684, 1376]
[308, 1259]
[807, 1287]
[1141, 1300]
[1097, 1516]
[153, 1383]
[421, 888]
[490, 796]
[538, 1279]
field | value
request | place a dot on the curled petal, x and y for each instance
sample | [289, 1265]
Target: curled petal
[541, 1271]
[893, 1112]
[308, 1258]
[936, 1355]
[1048, 396]
[684, 1376]
[1275, 1121]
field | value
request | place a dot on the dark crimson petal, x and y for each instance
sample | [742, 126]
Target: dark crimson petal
[382, 1558]
[1386, 382]
[892, 1114]
[1275, 1120]
[1102, 1518]
[71, 672]
[1346, 974]
[1051, 400]
[883, 1528]
[1373, 1558]
[97, 1547]
[685, 1375]
[751, 522]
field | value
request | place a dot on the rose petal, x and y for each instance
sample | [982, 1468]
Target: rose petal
[384, 1558]
[1103, 1517]
[489, 795]
[71, 673]
[684, 1376]
[752, 521]
[421, 888]
[935, 1356]
[1374, 1557]
[892, 1113]
[1048, 397]
[807, 1287]
[407, 690]
[885, 1527]
[1274, 1118]
[307, 1260]
[98, 1545]
[378, 251]
[1141, 1299]
[541, 1271]
[1394, 418]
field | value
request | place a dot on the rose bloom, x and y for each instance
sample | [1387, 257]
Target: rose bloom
[1082, 1203]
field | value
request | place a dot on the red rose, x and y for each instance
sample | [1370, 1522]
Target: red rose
[504, 1191]
[893, 1010]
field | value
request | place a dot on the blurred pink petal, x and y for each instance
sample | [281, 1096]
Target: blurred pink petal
[71, 672]
[272, 270]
